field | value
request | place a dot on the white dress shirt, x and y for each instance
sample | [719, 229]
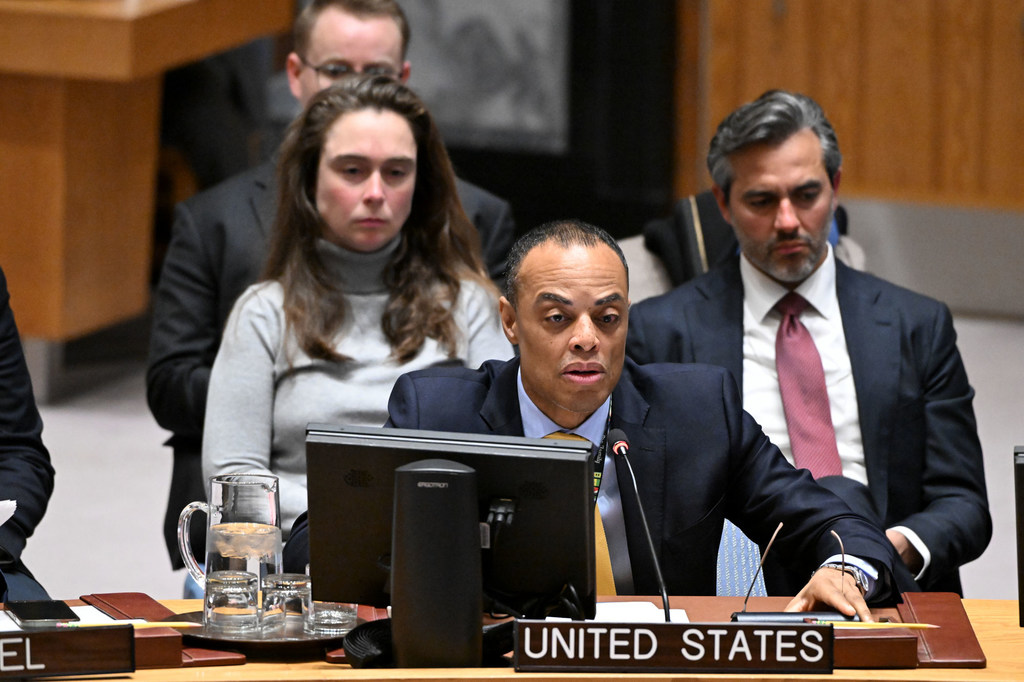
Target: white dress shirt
[823, 319]
[761, 395]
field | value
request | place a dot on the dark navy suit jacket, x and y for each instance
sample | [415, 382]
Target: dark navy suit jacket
[26, 475]
[921, 447]
[218, 248]
[698, 457]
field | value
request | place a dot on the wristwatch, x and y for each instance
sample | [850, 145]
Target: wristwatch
[859, 576]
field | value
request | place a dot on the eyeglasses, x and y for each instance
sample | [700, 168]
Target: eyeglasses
[334, 71]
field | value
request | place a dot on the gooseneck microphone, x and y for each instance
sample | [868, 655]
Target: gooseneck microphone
[620, 446]
[760, 565]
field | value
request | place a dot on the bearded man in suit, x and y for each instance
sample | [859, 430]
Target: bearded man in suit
[902, 421]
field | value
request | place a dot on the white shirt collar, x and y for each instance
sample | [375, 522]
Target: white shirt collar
[761, 292]
[536, 424]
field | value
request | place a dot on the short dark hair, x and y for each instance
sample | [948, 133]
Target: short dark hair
[303, 26]
[565, 233]
[770, 119]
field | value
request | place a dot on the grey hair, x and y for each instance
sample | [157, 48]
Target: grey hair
[770, 119]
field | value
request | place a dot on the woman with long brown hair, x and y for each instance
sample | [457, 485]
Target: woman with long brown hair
[374, 270]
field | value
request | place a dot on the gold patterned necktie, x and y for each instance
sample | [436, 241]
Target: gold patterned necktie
[602, 557]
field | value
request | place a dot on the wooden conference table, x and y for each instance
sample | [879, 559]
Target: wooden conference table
[995, 623]
[79, 134]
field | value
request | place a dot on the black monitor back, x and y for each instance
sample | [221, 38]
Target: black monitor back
[1018, 478]
[548, 544]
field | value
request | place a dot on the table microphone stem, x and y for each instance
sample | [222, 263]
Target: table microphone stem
[620, 446]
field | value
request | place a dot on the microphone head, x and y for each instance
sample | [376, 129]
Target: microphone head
[619, 441]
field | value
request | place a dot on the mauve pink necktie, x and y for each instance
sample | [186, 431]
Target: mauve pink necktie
[804, 395]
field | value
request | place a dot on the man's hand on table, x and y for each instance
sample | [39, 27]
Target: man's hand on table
[829, 587]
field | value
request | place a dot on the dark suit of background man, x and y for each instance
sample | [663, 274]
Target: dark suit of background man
[699, 458]
[900, 400]
[219, 238]
[26, 475]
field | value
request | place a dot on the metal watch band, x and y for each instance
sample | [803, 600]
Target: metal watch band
[858, 575]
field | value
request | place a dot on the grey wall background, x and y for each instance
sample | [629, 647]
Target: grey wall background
[969, 258]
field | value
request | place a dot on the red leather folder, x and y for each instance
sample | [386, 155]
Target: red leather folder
[951, 645]
[157, 647]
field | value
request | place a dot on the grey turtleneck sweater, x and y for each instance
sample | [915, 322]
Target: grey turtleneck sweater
[264, 389]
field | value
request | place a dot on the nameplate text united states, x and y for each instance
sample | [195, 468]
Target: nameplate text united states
[589, 646]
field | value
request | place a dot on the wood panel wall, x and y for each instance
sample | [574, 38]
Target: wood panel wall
[927, 96]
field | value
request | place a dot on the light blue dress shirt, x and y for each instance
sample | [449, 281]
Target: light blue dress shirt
[537, 425]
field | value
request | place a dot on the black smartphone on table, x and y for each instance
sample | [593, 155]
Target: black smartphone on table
[41, 613]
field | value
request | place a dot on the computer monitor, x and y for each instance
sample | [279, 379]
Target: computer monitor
[1018, 486]
[545, 549]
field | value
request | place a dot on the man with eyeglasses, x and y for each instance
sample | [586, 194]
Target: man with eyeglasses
[219, 237]
[341, 38]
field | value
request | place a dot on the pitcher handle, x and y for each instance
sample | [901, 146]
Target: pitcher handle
[185, 540]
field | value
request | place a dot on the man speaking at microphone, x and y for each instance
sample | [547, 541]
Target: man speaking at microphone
[698, 457]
